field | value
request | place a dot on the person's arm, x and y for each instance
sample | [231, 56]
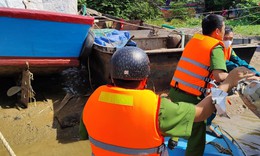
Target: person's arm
[176, 120]
[205, 108]
[218, 64]
[219, 75]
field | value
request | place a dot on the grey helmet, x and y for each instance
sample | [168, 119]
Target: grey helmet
[130, 63]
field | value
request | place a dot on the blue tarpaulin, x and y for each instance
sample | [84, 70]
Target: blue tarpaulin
[112, 38]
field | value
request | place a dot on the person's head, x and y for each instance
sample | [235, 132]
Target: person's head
[130, 68]
[213, 25]
[228, 37]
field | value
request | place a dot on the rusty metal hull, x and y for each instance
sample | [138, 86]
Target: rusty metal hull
[163, 50]
[245, 51]
[163, 64]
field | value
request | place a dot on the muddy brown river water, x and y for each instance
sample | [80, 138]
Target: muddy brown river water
[44, 129]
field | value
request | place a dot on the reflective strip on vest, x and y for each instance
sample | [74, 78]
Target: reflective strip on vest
[124, 150]
[203, 90]
[195, 63]
[193, 74]
[114, 98]
[206, 79]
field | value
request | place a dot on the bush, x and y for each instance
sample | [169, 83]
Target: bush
[180, 11]
[127, 9]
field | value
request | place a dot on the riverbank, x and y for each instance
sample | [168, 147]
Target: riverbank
[44, 128]
[50, 126]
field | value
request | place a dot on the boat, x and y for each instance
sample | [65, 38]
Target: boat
[244, 48]
[163, 47]
[224, 146]
[43, 41]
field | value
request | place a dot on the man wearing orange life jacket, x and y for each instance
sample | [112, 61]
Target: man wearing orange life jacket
[124, 118]
[203, 59]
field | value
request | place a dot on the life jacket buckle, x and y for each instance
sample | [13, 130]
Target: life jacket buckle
[162, 150]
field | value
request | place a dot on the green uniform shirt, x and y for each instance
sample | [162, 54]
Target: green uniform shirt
[174, 120]
[218, 60]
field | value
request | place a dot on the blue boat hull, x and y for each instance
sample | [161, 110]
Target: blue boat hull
[35, 36]
[210, 150]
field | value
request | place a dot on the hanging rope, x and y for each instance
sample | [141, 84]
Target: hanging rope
[233, 141]
[219, 11]
[9, 149]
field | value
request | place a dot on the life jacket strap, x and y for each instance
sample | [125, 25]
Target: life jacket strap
[124, 150]
[201, 89]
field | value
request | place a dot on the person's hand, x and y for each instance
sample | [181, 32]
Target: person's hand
[254, 78]
[237, 74]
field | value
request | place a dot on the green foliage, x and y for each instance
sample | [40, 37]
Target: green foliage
[180, 11]
[244, 27]
[248, 12]
[218, 5]
[149, 9]
[244, 10]
[81, 2]
[127, 9]
[178, 23]
[193, 22]
[248, 30]
[239, 28]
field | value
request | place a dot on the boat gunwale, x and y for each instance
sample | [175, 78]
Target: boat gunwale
[39, 62]
[45, 15]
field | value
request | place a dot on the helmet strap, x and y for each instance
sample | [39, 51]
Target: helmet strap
[142, 84]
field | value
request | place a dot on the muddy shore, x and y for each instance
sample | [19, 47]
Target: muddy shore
[49, 128]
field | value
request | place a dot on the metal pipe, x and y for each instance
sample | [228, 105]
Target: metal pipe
[182, 39]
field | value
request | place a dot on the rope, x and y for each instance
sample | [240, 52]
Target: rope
[89, 76]
[246, 15]
[140, 26]
[9, 149]
[123, 22]
[220, 148]
[219, 11]
[225, 138]
[153, 27]
[233, 141]
[228, 149]
[254, 21]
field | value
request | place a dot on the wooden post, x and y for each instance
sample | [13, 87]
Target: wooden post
[27, 93]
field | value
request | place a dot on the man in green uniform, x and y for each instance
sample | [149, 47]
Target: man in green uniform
[174, 119]
[213, 27]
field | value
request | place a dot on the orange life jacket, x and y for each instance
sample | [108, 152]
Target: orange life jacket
[228, 53]
[193, 70]
[123, 122]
